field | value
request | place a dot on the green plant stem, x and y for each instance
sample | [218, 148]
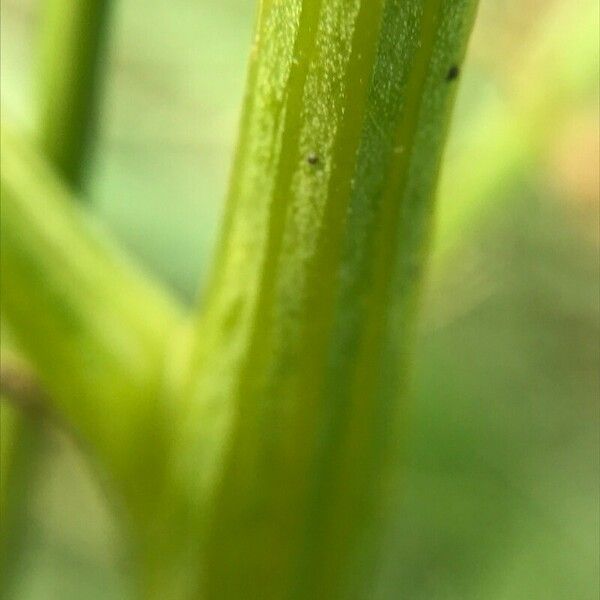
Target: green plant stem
[74, 32]
[95, 330]
[297, 378]
[69, 82]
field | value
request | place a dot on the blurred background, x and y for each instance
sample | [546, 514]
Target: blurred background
[502, 484]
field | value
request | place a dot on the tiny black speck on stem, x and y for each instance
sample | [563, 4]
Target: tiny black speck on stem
[453, 73]
[312, 159]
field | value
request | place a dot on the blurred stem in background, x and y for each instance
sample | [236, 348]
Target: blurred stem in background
[70, 72]
[74, 33]
[22, 445]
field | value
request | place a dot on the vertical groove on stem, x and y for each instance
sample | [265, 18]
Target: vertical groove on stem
[299, 367]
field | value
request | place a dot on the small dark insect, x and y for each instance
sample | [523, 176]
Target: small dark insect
[453, 73]
[312, 159]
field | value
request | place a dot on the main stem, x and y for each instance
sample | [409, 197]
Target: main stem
[298, 375]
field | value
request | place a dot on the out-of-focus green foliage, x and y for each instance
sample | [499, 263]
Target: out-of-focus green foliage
[501, 496]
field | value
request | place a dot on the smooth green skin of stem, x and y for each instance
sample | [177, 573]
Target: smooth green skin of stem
[95, 330]
[73, 38]
[297, 376]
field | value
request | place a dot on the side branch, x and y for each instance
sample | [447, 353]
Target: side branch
[92, 326]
